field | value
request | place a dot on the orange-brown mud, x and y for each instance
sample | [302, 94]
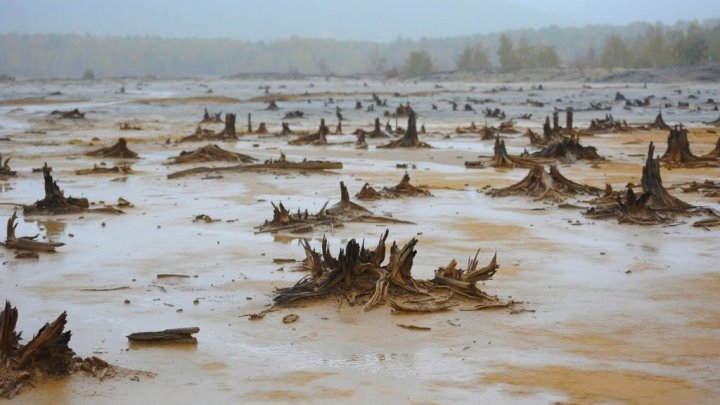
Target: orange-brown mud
[622, 314]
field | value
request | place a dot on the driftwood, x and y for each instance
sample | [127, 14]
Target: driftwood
[121, 168]
[318, 138]
[26, 242]
[542, 185]
[5, 170]
[119, 150]
[410, 138]
[269, 165]
[359, 276]
[402, 189]
[678, 153]
[211, 153]
[629, 209]
[47, 354]
[341, 212]
[179, 335]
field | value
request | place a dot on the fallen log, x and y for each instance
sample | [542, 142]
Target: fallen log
[121, 168]
[119, 150]
[269, 165]
[178, 335]
[542, 185]
[210, 153]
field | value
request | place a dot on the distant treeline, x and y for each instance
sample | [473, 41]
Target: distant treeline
[636, 45]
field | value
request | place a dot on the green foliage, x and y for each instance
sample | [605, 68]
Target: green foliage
[615, 53]
[506, 53]
[418, 63]
[475, 58]
[89, 74]
[526, 55]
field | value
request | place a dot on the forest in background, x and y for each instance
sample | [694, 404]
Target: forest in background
[637, 45]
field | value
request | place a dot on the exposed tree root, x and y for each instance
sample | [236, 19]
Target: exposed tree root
[569, 150]
[609, 124]
[119, 150]
[46, 354]
[715, 153]
[542, 185]
[339, 213]
[269, 165]
[211, 153]
[26, 242]
[502, 159]
[402, 189]
[359, 276]
[70, 114]
[227, 134]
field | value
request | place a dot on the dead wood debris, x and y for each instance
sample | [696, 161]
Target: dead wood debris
[211, 117]
[70, 114]
[410, 138]
[715, 153]
[46, 354]
[102, 169]
[678, 152]
[126, 126]
[568, 149]
[502, 159]
[227, 134]
[542, 185]
[608, 124]
[317, 138]
[55, 202]
[28, 243]
[119, 150]
[654, 206]
[708, 188]
[281, 164]
[178, 335]
[339, 213]
[5, 170]
[377, 131]
[359, 276]
[402, 189]
[205, 218]
[210, 153]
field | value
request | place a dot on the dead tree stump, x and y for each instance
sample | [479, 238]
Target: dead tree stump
[5, 170]
[410, 138]
[119, 150]
[211, 153]
[678, 152]
[660, 199]
[55, 201]
[542, 185]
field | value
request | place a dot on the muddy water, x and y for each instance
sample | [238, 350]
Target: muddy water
[622, 313]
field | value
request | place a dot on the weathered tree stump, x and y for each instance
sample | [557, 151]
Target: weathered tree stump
[119, 150]
[120, 169]
[359, 276]
[410, 138]
[228, 131]
[715, 153]
[377, 131]
[568, 149]
[660, 199]
[71, 114]
[542, 185]
[293, 115]
[55, 201]
[211, 117]
[5, 170]
[678, 153]
[272, 106]
[318, 138]
[211, 153]
[659, 122]
[501, 159]
[402, 189]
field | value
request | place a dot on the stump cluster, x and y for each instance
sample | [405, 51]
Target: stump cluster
[119, 150]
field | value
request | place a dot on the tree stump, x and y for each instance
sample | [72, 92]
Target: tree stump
[568, 149]
[119, 150]
[402, 189]
[410, 138]
[318, 138]
[542, 185]
[5, 170]
[55, 201]
[678, 152]
[211, 153]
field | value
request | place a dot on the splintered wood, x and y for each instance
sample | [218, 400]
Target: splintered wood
[359, 276]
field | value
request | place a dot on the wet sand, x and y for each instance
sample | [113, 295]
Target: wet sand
[623, 314]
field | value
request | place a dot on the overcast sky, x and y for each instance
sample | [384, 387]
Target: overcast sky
[343, 19]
